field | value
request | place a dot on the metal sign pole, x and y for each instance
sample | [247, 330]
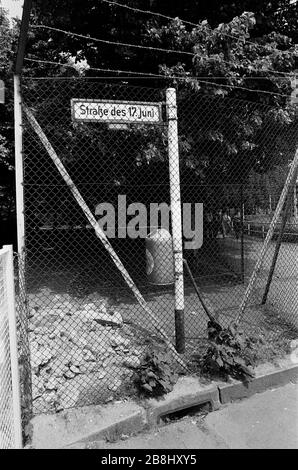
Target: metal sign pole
[176, 218]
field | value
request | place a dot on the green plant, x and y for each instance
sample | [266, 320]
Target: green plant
[228, 353]
[155, 376]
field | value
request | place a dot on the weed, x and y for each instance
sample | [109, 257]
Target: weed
[155, 376]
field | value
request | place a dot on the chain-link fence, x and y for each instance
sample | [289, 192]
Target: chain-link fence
[10, 416]
[23, 335]
[241, 152]
[84, 158]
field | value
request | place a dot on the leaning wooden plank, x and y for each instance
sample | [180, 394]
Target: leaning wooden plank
[290, 181]
[98, 230]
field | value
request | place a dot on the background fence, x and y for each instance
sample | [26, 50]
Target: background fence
[10, 411]
[86, 330]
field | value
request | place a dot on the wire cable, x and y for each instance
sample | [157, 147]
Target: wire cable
[150, 75]
[173, 51]
[116, 43]
[148, 12]
[161, 15]
[140, 74]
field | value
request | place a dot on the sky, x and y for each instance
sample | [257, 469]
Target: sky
[14, 7]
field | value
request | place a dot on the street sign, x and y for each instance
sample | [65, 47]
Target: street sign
[122, 112]
[2, 92]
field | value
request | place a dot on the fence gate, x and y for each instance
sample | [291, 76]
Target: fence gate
[10, 415]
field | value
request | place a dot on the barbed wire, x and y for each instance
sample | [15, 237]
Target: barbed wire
[161, 15]
[158, 76]
[96, 69]
[145, 74]
[148, 12]
[171, 18]
[105, 41]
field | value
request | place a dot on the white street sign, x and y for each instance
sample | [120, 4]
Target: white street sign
[107, 111]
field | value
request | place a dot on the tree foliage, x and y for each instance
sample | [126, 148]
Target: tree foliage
[229, 53]
[239, 45]
[8, 36]
[108, 21]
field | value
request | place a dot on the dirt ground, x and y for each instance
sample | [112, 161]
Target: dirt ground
[84, 349]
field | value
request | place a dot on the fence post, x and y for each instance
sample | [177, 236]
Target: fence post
[20, 211]
[19, 182]
[173, 152]
[15, 379]
[242, 232]
[19, 176]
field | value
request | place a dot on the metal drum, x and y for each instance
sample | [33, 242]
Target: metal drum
[159, 257]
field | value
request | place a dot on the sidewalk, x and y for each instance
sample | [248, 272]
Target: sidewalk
[267, 420]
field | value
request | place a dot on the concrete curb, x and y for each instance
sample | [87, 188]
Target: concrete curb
[187, 393]
[267, 376]
[86, 424]
[76, 428]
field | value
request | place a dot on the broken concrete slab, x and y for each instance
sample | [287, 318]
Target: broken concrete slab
[110, 320]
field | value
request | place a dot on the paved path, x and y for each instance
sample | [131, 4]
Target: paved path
[267, 420]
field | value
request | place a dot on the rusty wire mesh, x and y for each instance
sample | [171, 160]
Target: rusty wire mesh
[87, 332]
